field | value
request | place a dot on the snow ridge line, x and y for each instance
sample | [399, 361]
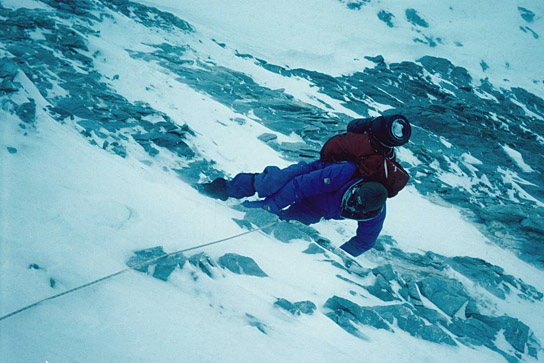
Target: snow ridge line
[145, 263]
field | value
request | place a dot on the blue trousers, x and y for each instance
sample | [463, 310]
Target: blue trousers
[268, 182]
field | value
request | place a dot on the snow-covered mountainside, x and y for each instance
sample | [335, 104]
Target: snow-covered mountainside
[112, 110]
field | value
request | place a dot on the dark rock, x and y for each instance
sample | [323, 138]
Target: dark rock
[382, 289]
[413, 17]
[164, 140]
[297, 147]
[90, 125]
[34, 266]
[504, 213]
[69, 6]
[461, 78]
[287, 305]
[8, 86]
[384, 242]
[148, 148]
[73, 106]
[242, 223]
[345, 320]
[475, 330]
[534, 223]
[52, 283]
[411, 294]
[345, 312]
[138, 262]
[254, 322]
[426, 40]
[405, 67]
[433, 316]
[386, 271]
[515, 332]
[337, 265]
[286, 232]
[429, 260]
[119, 149]
[491, 277]
[72, 40]
[436, 65]
[482, 330]
[8, 69]
[447, 294]
[259, 217]
[531, 101]
[304, 307]
[526, 14]
[241, 265]
[313, 249]
[27, 111]
[12, 150]
[150, 16]
[165, 266]
[386, 17]
[414, 325]
[268, 137]
[204, 263]
[356, 4]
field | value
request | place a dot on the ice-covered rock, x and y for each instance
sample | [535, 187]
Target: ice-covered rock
[204, 263]
[406, 319]
[382, 289]
[447, 294]
[345, 313]
[242, 265]
[296, 308]
[163, 267]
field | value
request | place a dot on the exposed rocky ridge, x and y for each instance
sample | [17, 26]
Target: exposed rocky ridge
[421, 28]
[455, 120]
[476, 120]
[417, 292]
[475, 329]
[456, 318]
[84, 97]
[439, 98]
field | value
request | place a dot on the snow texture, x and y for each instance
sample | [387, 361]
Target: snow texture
[112, 110]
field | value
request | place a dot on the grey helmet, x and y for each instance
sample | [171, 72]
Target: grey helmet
[363, 200]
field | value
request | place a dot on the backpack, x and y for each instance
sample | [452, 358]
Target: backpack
[372, 164]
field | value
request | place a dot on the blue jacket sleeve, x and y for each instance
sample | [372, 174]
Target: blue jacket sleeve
[367, 234]
[326, 180]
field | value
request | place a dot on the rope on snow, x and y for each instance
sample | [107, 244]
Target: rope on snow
[145, 263]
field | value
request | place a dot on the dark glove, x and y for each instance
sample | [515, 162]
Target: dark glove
[267, 204]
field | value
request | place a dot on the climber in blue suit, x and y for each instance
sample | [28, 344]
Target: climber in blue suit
[307, 192]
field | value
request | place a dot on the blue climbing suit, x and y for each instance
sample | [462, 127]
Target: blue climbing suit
[311, 192]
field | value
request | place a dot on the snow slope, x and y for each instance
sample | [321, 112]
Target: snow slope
[334, 36]
[74, 207]
[77, 212]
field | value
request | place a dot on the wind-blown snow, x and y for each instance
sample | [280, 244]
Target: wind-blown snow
[326, 36]
[78, 212]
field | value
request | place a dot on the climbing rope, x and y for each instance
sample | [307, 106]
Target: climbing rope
[135, 267]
